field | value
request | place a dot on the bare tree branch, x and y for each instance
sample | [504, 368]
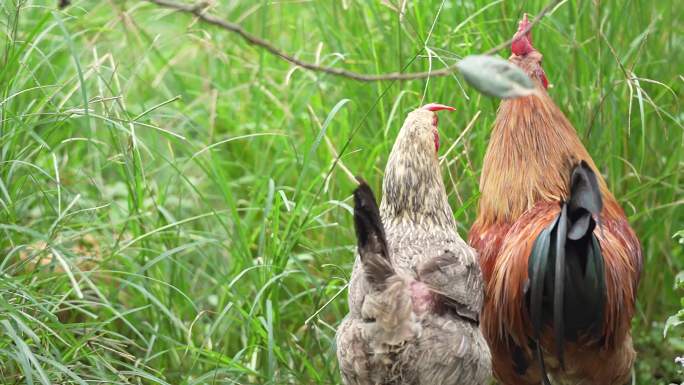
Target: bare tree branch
[199, 11]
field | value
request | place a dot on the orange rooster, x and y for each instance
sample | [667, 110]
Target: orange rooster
[560, 261]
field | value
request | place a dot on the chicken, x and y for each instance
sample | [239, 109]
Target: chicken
[416, 289]
[560, 261]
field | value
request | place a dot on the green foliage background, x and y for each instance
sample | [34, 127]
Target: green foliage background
[168, 210]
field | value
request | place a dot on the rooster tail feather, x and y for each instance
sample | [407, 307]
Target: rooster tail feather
[585, 266]
[571, 294]
[584, 191]
[538, 262]
[559, 284]
[370, 235]
[537, 268]
[542, 366]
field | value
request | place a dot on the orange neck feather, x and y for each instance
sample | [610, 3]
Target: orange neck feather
[530, 157]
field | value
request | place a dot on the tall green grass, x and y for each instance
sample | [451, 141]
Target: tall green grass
[169, 209]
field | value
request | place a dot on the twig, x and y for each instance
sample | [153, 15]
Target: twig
[199, 12]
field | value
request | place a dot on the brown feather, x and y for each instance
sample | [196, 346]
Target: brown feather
[531, 154]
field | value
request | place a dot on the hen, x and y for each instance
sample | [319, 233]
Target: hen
[416, 289]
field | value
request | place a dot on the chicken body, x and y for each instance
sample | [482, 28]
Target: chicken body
[416, 289]
[532, 158]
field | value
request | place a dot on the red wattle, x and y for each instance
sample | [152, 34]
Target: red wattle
[434, 107]
[544, 80]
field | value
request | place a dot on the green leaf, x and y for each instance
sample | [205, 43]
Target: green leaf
[494, 76]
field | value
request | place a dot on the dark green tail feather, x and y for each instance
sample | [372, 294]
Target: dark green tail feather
[559, 284]
[568, 249]
[538, 262]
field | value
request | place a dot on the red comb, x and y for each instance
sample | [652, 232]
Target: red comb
[437, 107]
[522, 41]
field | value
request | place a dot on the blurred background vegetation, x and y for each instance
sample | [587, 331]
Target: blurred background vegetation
[169, 209]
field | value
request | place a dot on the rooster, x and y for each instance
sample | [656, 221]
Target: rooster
[560, 261]
[416, 289]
